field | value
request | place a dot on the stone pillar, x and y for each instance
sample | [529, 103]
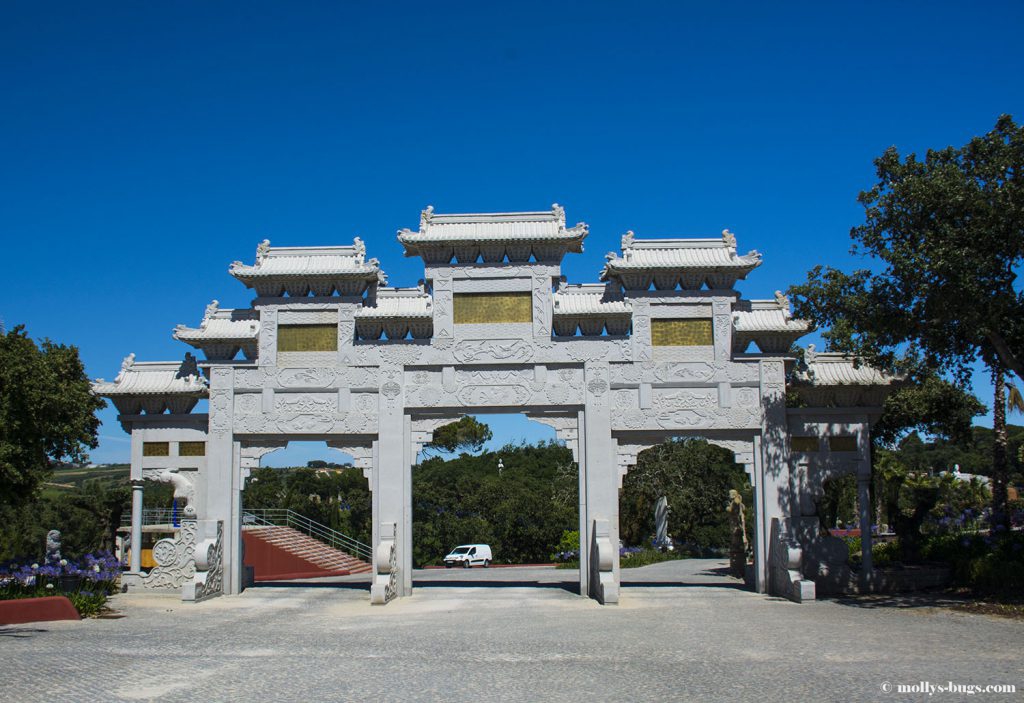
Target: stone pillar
[761, 523]
[391, 479]
[136, 547]
[864, 503]
[222, 500]
[599, 573]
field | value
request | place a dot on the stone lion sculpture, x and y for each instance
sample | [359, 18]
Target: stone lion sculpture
[53, 547]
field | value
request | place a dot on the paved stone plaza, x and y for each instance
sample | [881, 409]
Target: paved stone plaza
[705, 640]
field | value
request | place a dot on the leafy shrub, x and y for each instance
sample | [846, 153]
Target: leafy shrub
[882, 553]
[648, 556]
[984, 563]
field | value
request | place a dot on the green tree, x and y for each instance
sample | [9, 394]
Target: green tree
[467, 435]
[946, 234]
[47, 412]
[695, 477]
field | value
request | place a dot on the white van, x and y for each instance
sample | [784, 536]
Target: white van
[466, 555]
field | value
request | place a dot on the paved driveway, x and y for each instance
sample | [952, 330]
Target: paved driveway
[671, 639]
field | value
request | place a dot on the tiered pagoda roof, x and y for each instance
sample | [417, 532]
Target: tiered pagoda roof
[767, 323]
[297, 271]
[493, 237]
[836, 379]
[590, 307]
[686, 263]
[223, 332]
[154, 387]
[396, 312]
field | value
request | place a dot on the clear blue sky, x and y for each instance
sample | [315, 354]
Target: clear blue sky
[144, 146]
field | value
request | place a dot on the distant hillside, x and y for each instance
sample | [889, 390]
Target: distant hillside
[68, 478]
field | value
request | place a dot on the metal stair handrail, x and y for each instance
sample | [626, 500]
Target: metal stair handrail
[151, 516]
[285, 517]
[271, 517]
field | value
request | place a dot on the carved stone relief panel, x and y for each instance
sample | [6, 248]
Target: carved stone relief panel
[723, 330]
[506, 350]
[306, 378]
[684, 372]
[542, 306]
[443, 314]
[220, 412]
[248, 403]
[677, 398]
[302, 403]
[268, 338]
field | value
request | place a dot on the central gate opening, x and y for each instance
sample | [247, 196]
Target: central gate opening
[503, 489]
[686, 517]
[306, 519]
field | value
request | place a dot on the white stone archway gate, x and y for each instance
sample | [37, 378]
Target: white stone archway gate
[659, 348]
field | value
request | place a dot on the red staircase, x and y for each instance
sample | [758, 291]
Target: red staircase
[277, 553]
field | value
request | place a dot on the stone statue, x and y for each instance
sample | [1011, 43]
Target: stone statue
[53, 547]
[182, 486]
[661, 510]
[738, 541]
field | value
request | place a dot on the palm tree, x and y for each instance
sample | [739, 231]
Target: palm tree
[1014, 399]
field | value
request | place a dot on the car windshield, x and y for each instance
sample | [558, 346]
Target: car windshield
[460, 550]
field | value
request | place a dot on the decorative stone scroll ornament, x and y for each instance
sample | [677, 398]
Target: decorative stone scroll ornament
[209, 577]
[606, 590]
[174, 557]
[385, 578]
[784, 565]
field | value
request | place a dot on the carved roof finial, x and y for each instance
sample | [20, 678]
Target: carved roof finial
[126, 364]
[210, 311]
[810, 355]
[729, 238]
[425, 216]
[783, 302]
[261, 250]
[627, 240]
[189, 367]
[360, 248]
[558, 211]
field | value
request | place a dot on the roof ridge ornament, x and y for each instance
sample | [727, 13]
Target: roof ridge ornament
[783, 302]
[360, 248]
[261, 250]
[558, 211]
[126, 365]
[728, 238]
[210, 311]
[627, 240]
[189, 368]
[425, 216]
[810, 356]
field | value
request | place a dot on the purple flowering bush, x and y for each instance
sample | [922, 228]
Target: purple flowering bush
[86, 581]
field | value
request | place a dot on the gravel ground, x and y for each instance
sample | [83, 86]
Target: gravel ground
[682, 632]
